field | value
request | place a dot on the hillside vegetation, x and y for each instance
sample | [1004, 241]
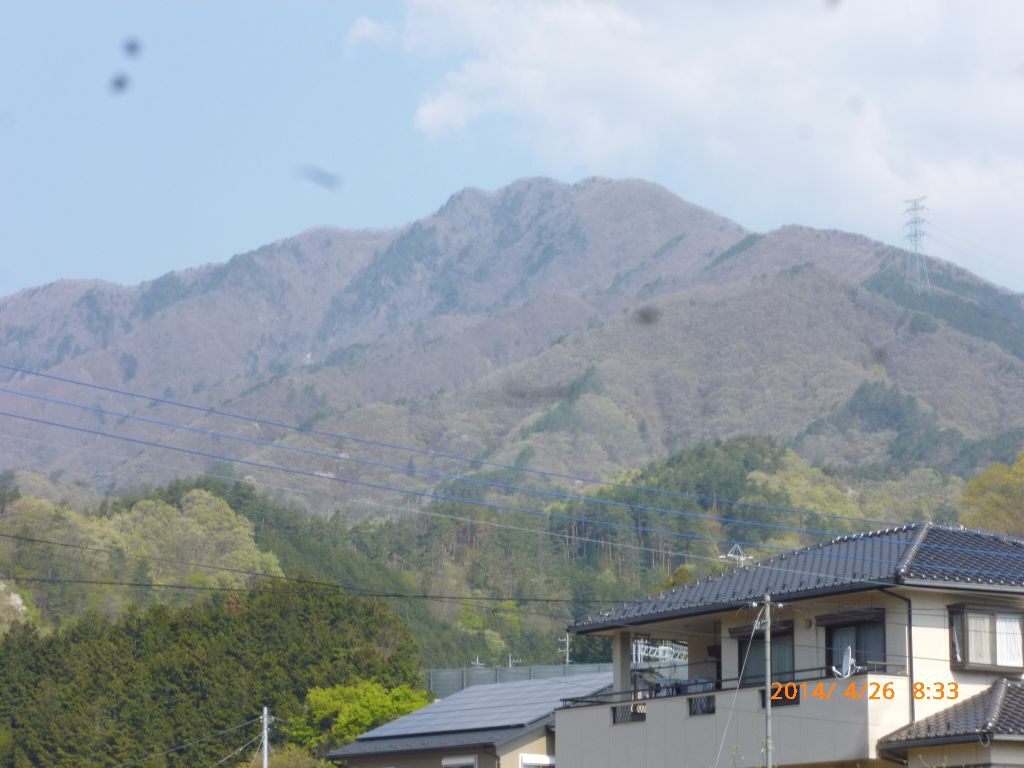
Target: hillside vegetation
[156, 668]
[185, 686]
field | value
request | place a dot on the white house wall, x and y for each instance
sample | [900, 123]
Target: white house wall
[812, 732]
[931, 645]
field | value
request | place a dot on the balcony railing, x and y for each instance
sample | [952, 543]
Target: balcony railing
[701, 693]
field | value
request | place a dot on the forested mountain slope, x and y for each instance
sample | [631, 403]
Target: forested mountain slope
[584, 328]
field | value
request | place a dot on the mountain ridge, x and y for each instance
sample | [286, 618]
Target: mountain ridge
[408, 333]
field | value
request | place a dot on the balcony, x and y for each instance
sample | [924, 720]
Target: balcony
[816, 719]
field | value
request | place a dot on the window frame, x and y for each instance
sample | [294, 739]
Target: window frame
[527, 760]
[958, 615]
[786, 631]
[459, 761]
[831, 659]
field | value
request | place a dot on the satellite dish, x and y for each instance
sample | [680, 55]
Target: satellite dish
[850, 667]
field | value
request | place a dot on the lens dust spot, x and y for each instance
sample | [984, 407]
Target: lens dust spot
[646, 315]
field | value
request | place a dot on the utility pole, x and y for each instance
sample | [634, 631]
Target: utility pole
[768, 681]
[568, 648]
[266, 741]
[917, 267]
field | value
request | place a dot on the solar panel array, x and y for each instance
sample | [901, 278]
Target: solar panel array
[493, 706]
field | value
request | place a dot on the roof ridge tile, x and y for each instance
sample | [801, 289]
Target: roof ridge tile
[998, 691]
[911, 551]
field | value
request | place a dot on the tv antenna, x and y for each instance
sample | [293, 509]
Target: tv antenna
[736, 553]
[917, 266]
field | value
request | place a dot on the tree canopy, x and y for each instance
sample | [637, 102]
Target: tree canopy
[994, 500]
[101, 692]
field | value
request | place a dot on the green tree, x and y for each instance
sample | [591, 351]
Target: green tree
[98, 692]
[994, 500]
[342, 712]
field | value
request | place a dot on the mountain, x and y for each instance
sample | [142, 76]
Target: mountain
[583, 328]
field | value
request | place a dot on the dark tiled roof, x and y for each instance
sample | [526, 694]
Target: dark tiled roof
[919, 553]
[996, 711]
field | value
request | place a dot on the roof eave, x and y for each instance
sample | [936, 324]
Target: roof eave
[653, 618]
[347, 751]
[937, 741]
[962, 585]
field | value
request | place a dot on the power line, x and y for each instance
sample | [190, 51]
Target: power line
[439, 497]
[818, 603]
[327, 588]
[735, 697]
[575, 538]
[188, 744]
[474, 462]
[362, 592]
[271, 528]
[444, 475]
[425, 494]
[237, 751]
[364, 483]
[335, 586]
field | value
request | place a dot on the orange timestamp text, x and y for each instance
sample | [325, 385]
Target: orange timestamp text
[869, 690]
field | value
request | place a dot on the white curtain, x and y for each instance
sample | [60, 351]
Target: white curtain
[979, 638]
[1009, 652]
[841, 638]
[958, 637]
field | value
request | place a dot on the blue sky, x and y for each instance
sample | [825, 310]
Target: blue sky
[828, 114]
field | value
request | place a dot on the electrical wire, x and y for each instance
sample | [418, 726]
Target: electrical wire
[631, 507]
[332, 586]
[269, 529]
[397, 489]
[187, 744]
[237, 751]
[434, 496]
[326, 589]
[529, 490]
[378, 486]
[735, 697]
[460, 501]
[475, 462]
[818, 604]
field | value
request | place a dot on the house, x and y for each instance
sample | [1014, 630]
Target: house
[986, 729]
[884, 647]
[502, 725]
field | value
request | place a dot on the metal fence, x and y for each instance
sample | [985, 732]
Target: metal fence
[445, 682]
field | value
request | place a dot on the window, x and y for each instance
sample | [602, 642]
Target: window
[985, 638]
[459, 761]
[535, 761]
[782, 658]
[866, 639]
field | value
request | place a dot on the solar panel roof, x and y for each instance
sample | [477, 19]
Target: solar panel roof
[499, 705]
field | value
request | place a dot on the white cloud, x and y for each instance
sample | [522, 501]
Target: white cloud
[822, 113]
[366, 30]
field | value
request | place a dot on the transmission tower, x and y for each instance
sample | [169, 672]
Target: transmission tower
[917, 266]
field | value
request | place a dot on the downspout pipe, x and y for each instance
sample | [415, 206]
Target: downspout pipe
[910, 648]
